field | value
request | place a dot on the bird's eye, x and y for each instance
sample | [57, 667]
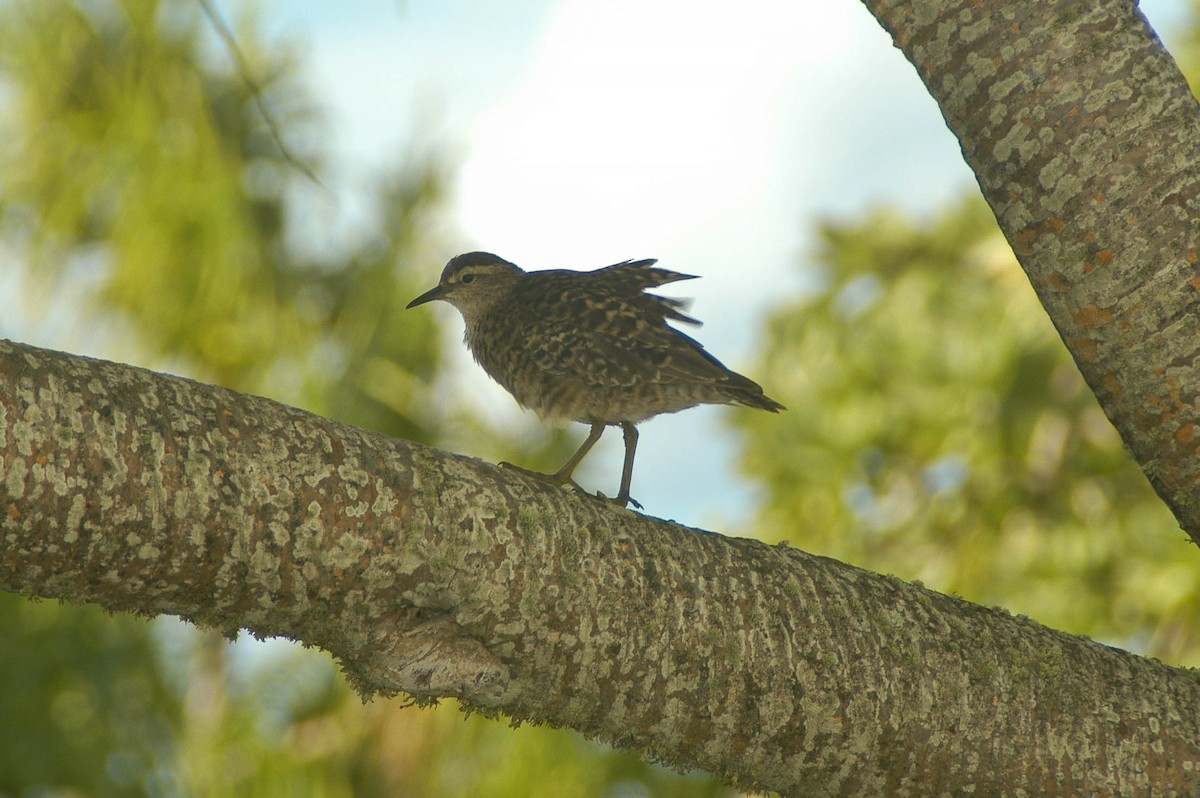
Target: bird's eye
[468, 278]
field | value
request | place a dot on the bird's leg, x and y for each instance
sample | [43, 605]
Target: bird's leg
[631, 439]
[563, 475]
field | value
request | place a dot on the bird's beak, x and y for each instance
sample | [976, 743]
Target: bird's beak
[433, 293]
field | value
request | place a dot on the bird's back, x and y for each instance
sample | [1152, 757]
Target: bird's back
[593, 346]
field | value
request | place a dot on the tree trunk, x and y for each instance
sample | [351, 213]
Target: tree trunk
[440, 575]
[1084, 138]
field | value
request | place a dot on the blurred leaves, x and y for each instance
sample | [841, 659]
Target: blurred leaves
[936, 429]
[939, 430]
[83, 702]
[1185, 47]
[146, 210]
[136, 164]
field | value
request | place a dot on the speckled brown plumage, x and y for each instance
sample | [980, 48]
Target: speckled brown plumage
[588, 346]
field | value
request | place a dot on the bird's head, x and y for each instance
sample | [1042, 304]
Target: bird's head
[472, 282]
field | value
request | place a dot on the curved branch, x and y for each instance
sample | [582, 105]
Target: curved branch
[1084, 137]
[439, 575]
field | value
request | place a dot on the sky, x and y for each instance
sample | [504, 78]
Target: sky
[586, 133]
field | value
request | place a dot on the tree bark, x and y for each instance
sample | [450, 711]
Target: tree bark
[439, 575]
[1084, 138]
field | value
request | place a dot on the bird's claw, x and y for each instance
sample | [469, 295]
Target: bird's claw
[538, 475]
[561, 481]
[617, 500]
[549, 479]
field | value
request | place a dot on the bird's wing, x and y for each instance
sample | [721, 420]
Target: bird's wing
[637, 275]
[607, 332]
[651, 350]
[629, 280]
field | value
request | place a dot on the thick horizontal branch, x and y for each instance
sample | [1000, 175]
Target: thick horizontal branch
[439, 575]
[1086, 142]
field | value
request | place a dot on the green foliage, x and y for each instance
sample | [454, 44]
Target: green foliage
[139, 167]
[484, 758]
[270, 722]
[938, 429]
[286, 724]
[150, 212]
[85, 709]
[1185, 47]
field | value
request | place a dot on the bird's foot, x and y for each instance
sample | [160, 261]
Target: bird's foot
[559, 480]
[619, 501]
[551, 479]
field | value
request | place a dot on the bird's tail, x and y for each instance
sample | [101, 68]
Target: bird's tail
[748, 393]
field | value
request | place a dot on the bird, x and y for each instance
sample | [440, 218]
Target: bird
[587, 346]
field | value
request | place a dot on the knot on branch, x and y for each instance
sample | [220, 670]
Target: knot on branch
[437, 659]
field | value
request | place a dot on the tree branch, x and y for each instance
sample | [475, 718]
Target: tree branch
[1083, 135]
[440, 575]
[255, 89]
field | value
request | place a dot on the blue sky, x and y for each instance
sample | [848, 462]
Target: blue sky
[587, 133]
[591, 132]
